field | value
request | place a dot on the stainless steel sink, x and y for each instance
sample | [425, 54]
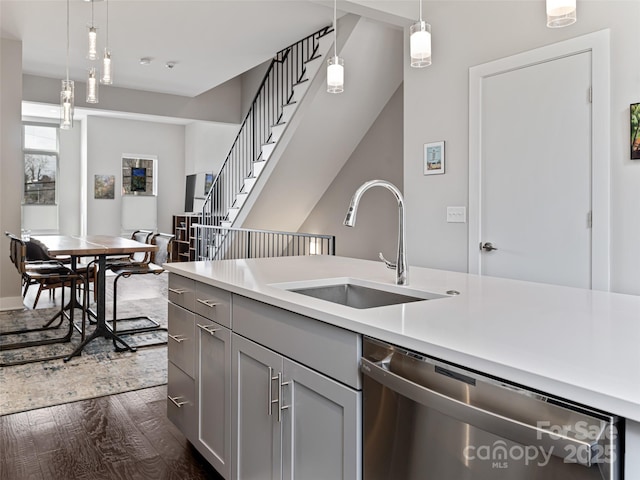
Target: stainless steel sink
[360, 294]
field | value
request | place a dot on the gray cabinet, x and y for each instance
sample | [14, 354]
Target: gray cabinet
[291, 422]
[262, 393]
[257, 434]
[213, 399]
[199, 381]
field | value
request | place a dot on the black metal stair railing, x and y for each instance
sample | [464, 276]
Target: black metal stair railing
[221, 243]
[275, 92]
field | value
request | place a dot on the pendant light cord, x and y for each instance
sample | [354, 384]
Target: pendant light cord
[420, 10]
[67, 40]
[107, 35]
[335, 29]
[92, 14]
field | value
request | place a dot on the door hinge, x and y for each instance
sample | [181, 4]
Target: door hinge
[589, 220]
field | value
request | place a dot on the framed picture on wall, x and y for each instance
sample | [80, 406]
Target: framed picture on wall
[139, 175]
[104, 187]
[433, 158]
[634, 123]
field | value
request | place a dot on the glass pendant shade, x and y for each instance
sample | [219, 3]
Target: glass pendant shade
[107, 68]
[92, 86]
[93, 42]
[561, 13]
[335, 75]
[66, 105]
[420, 44]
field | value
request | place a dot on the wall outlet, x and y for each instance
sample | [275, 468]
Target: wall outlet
[456, 214]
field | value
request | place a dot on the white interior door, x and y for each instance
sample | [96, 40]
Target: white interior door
[531, 187]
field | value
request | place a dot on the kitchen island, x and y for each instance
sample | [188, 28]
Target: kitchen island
[580, 345]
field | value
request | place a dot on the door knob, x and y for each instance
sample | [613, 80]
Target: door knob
[487, 246]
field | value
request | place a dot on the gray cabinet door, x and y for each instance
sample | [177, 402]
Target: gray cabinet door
[257, 442]
[322, 426]
[213, 400]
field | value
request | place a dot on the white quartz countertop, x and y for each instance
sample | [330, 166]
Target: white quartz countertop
[581, 345]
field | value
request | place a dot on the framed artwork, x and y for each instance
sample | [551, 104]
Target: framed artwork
[634, 124]
[139, 175]
[104, 187]
[433, 158]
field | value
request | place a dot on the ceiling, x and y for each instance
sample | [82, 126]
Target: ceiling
[210, 41]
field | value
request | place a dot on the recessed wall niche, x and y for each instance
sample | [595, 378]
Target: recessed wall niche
[139, 175]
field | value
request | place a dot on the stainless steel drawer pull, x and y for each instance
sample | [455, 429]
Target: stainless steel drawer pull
[177, 401]
[178, 291]
[280, 406]
[177, 338]
[208, 328]
[270, 389]
[208, 303]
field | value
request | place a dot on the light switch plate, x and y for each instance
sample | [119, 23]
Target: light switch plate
[456, 214]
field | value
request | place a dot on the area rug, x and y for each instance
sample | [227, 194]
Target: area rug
[98, 371]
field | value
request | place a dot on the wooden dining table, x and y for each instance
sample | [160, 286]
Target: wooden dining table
[101, 247]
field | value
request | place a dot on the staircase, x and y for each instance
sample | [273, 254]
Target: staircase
[283, 87]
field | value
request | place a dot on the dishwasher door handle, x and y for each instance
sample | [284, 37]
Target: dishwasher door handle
[580, 451]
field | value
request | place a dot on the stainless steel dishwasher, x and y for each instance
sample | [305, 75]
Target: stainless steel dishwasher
[425, 419]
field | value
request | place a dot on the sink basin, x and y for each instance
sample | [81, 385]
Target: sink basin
[360, 294]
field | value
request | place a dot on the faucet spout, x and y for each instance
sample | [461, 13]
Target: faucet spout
[402, 277]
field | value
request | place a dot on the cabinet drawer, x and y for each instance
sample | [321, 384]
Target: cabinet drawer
[328, 349]
[213, 303]
[182, 291]
[181, 341]
[181, 408]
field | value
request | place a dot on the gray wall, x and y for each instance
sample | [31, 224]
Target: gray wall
[11, 171]
[220, 104]
[250, 82]
[436, 105]
[107, 140]
[378, 156]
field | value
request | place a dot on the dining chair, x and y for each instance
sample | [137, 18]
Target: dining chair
[51, 273]
[164, 243]
[37, 256]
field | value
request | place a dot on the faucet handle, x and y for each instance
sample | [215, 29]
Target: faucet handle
[390, 265]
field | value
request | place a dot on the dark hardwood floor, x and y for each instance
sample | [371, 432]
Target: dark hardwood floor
[124, 436]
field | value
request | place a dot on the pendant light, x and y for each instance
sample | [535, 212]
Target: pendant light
[92, 86]
[66, 94]
[107, 67]
[420, 43]
[335, 64]
[93, 38]
[561, 13]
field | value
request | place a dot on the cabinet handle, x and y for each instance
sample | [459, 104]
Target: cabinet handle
[178, 291]
[210, 329]
[280, 406]
[177, 338]
[208, 303]
[176, 401]
[273, 377]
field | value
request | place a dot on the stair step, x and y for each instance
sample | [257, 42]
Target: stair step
[240, 199]
[267, 150]
[226, 224]
[277, 131]
[287, 112]
[299, 90]
[311, 67]
[258, 166]
[233, 213]
[249, 182]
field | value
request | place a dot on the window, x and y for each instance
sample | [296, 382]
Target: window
[40, 153]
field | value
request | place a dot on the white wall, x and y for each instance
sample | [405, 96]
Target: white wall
[207, 145]
[377, 156]
[436, 108]
[11, 169]
[107, 140]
